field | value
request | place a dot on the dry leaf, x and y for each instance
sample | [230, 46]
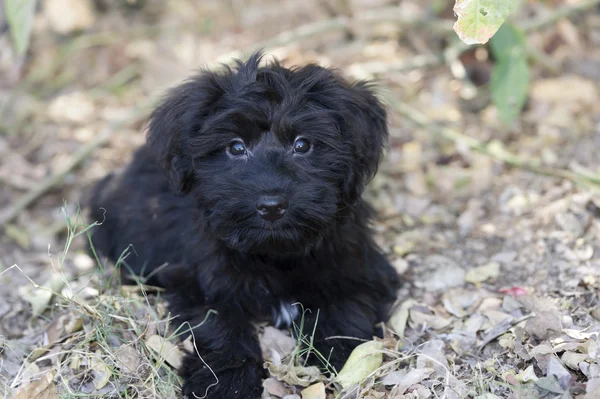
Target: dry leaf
[363, 360]
[483, 273]
[414, 376]
[544, 325]
[445, 274]
[128, 357]
[316, 391]
[430, 320]
[276, 344]
[101, 371]
[165, 350]
[580, 335]
[394, 378]
[572, 359]
[295, 375]
[432, 356]
[557, 370]
[40, 297]
[400, 317]
[274, 387]
[44, 388]
[527, 375]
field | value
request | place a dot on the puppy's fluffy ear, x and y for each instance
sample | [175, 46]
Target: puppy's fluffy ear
[367, 121]
[175, 122]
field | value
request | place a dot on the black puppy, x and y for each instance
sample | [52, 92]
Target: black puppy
[246, 200]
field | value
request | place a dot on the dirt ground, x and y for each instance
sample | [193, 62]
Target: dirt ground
[500, 260]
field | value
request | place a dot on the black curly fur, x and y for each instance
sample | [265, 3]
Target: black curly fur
[189, 210]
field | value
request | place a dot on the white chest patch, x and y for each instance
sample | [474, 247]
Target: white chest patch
[285, 314]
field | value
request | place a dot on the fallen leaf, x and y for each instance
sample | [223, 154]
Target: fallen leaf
[430, 320]
[316, 391]
[572, 359]
[580, 335]
[414, 376]
[39, 298]
[510, 304]
[497, 331]
[30, 371]
[541, 349]
[544, 325]
[527, 375]
[595, 312]
[165, 350]
[549, 384]
[128, 357]
[592, 389]
[400, 317]
[445, 274]
[274, 387]
[44, 388]
[101, 371]
[363, 360]
[432, 356]
[556, 369]
[480, 274]
[394, 378]
[276, 344]
[295, 375]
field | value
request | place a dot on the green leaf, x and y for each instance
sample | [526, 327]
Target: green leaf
[19, 14]
[478, 20]
[364, 359]
[510, 75]
[507, 41]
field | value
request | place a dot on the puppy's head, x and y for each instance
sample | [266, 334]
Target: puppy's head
[272, 155]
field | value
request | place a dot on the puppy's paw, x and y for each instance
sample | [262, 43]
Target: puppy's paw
[219, 377]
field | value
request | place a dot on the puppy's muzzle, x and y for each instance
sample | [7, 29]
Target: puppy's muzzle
[272, 207]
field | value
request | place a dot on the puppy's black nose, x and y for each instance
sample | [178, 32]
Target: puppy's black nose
[272, 207]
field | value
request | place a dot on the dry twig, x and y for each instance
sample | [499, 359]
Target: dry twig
[494, 149]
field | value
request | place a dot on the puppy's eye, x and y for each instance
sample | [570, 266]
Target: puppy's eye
[301, 146]
[236, 148]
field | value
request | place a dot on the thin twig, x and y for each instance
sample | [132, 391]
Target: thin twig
[494, 149]
[137, 114]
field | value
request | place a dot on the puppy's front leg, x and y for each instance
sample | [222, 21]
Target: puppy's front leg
[336, 325]
[228, 362]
